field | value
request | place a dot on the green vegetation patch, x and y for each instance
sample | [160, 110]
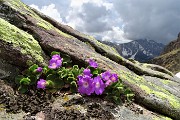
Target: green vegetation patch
[18, 38]
[151, 88]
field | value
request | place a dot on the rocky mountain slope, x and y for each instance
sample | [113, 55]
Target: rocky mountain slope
[170, 57]
[141, 50]
[27, 37]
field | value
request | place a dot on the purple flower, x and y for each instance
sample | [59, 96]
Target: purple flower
[53, 64]
[108, 82]
[106, 76]
[85, 84]
[87, 72]
[92, 63]
[41, 84]
[98, 85]
[114, 78]
[56, 57]
[39, 69]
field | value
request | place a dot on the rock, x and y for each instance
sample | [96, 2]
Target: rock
[7, 95]
[157, 90]
[8, 71]
[18, 47]
[78, 107]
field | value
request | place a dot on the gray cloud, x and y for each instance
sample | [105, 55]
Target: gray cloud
[120, 20]
[94, 18]
[155, 19]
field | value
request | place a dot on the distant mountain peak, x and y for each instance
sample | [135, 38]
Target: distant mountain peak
[141, 49]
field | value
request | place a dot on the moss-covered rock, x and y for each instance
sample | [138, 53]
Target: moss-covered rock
[155, 89]
[19, 47]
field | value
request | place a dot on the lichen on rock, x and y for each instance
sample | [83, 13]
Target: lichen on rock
[20, 41]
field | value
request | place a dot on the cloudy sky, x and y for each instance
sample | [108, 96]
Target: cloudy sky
[116, 20]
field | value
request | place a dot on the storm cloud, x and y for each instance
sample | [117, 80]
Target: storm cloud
[154, 19]
[117, 20]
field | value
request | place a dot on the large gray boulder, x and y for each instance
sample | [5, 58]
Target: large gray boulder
[26, 35]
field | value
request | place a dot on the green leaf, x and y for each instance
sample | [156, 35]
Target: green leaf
[58, 83]
[49, 84]
[99, 71]
[71, 75]
[22, 89]
[33, 68]
[73, 87]
[52, 77]
[95, 72]
[117, 100]
[75, 72]
[76, 67]
[64, 73]
[33, 79]
[54, 53]
[130, 97]
[45, 69]
[18, 79]
[127, 91]
[120, 88]
[70, 79]
[25, 81]
[81, 70]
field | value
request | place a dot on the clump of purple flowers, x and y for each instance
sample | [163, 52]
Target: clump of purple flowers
[109, 78]
[55, 62]
[89, 84]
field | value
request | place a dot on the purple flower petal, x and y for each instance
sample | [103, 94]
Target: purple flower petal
[41, 84]
[87, 72]
[108, 82]
[54, 64]
[39, 69]
[114, 78]
[92, 63]
[56, 57]
[99, 85]
[85, 84]
[106, 76]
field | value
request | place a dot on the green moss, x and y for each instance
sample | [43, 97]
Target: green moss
[156, 90]
[43, 24]
[166, 82]
[167, 118]
[29, 62]
[161, 118]
[99, 44]
[63, 34]
[18, 38]
[169, 97]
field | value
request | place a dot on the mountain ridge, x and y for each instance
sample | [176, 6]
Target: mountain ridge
[141, 50]
[170, 57]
